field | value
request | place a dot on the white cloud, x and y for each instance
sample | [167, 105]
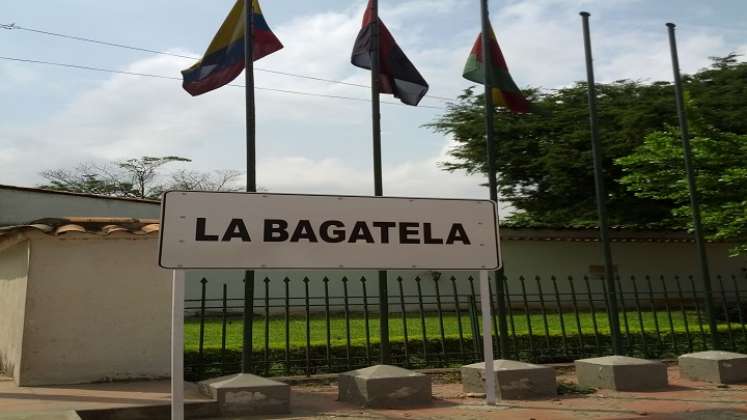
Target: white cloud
[543, 44]
[414, 178]
[16, 73]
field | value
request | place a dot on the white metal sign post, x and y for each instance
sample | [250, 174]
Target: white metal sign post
[220, 230]
[177, 345]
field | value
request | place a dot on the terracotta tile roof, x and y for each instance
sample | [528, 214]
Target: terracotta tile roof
[102, 226]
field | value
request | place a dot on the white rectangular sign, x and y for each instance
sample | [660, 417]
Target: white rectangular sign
[206, 230]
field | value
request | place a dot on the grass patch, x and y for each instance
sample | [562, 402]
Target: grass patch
[287, 350]
[272, 332]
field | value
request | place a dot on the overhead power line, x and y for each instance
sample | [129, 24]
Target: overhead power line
[157, 76]
[13, 26]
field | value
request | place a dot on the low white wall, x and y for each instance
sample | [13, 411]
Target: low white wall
[98, 309]
[21, 206]
[13, 279]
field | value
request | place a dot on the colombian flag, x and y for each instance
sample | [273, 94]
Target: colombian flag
[397, 73]
[505, 91]
[224, 59]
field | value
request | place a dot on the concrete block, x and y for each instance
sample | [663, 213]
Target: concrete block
[621, 373]
[245, 394]
[513, 380]
[384, 386]
[720, 367]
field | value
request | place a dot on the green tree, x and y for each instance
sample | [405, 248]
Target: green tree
[717, 97]
[655, 170]
[544, 161]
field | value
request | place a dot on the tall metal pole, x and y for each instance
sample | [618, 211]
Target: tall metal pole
[694, 202]
[378, 183]
[609, 272]
[487, 56]
[251, 179]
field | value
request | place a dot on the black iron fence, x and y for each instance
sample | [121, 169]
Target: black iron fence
[329, 325]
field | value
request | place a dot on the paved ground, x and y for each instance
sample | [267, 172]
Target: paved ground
[684, 400]
[14, 399]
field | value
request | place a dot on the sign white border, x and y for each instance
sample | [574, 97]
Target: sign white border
[491, 225]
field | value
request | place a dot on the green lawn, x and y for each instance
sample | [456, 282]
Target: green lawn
[276, 338]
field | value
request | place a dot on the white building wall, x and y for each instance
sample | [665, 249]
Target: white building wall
[13, 280]
[21, 206]
[98, 309]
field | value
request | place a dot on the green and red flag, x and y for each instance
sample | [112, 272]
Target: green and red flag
[505, 91]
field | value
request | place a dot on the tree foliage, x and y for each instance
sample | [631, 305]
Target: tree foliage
[142, 171]
[544, 160]
[138, 178]
[129, 178]
[88, 178]
[219, 180]
[655, 171]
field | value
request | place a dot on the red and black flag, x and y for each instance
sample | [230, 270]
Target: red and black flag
[397, 74]
[505, 91]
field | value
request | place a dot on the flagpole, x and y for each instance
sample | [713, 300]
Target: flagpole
[251, 179]
[378, 182]
[609, 272]
[492, 177]
[694, 201]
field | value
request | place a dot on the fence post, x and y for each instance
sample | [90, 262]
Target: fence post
[201, 348]
[347, 321]
[422, 320]
[287, 325]
[366, 320]
[541, 296]
[224, 322]
[669, 314]
[267, 326]
[574, 301]
[403, 309]
[560, 314]
[727, 318]
[528, 315]
[459, 317]
[683, 309]
[308, 325]
[327, 322]
[436, 279]
[740, 309]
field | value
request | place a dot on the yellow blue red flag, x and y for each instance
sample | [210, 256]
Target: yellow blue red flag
[225, 58]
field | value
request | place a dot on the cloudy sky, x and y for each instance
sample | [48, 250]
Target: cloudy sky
[56, 117]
